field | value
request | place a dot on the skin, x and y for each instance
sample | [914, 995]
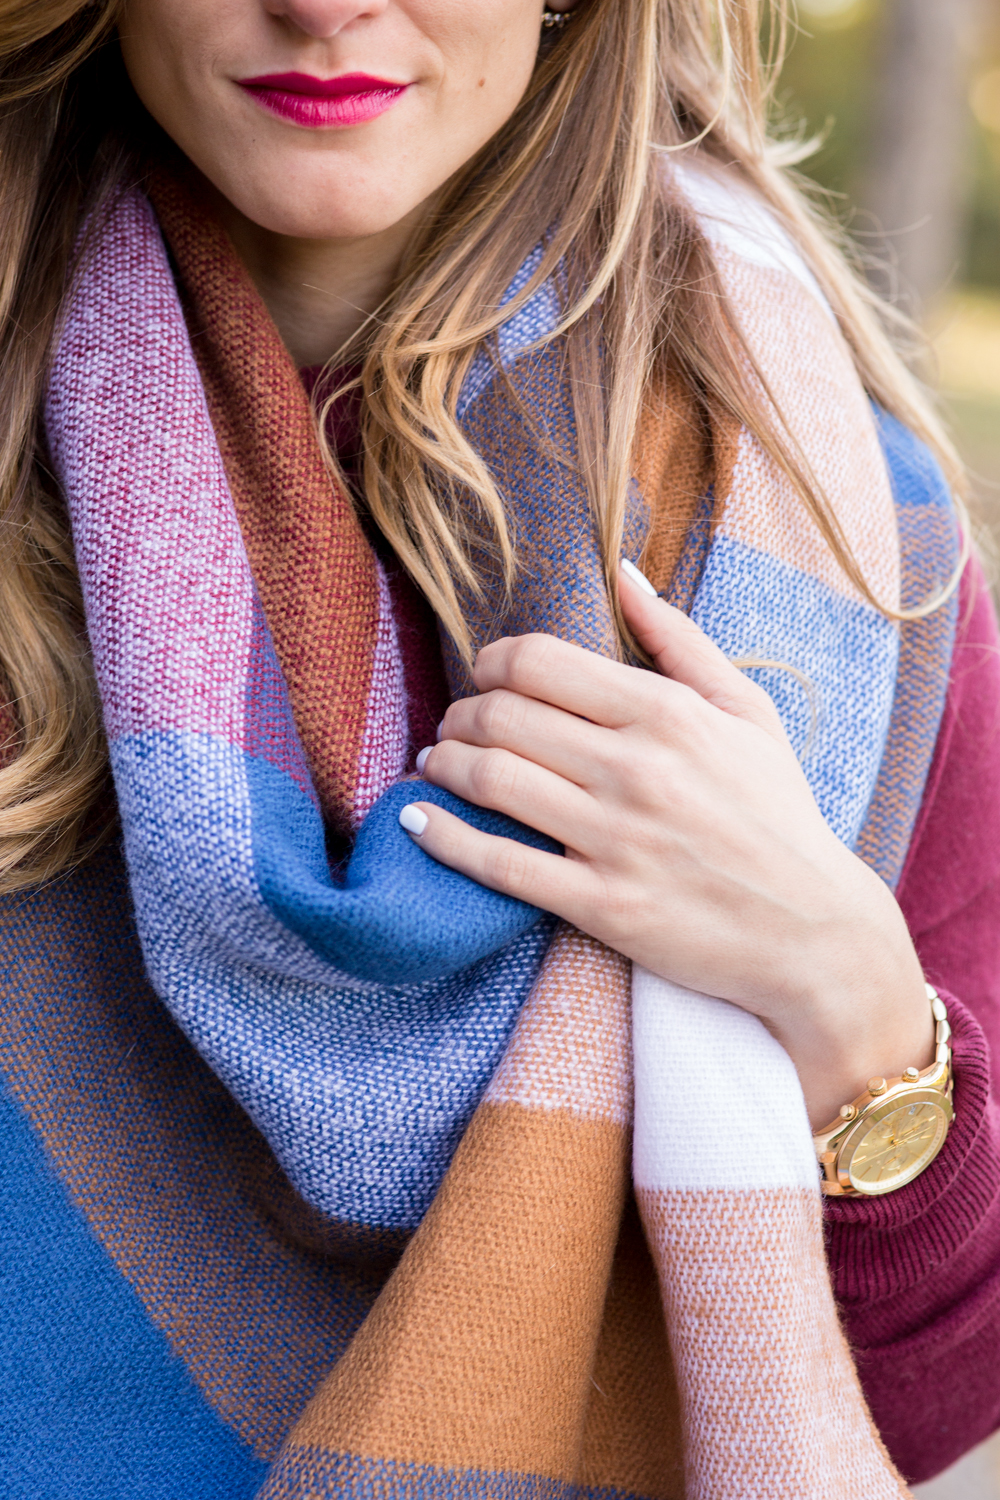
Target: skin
[693, 842]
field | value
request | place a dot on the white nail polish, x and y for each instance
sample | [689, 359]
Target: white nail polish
[422, 758]
[413, 820]
[639, 579]
[439, 729]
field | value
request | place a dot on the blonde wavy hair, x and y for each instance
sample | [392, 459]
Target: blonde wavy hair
[577, 167]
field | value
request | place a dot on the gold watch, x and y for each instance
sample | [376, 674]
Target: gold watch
[889, 1134]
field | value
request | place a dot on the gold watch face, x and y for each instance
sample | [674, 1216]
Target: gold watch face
[898, 1144]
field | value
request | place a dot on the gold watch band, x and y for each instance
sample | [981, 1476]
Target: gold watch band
[892, 1132]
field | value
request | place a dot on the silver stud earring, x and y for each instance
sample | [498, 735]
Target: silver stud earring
[556, 18]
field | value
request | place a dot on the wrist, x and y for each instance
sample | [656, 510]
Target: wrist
[833, 1073]
[863, 1018]
[883, 1139]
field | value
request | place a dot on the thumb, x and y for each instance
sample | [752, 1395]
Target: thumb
[684, 652]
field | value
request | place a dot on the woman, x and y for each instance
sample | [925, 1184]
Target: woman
[319, 1079]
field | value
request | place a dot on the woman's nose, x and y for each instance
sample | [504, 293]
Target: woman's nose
[323, 18]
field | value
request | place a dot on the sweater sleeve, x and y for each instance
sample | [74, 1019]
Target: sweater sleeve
[917, 1273]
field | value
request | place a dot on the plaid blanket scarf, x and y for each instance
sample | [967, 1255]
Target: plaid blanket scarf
[381, 1184]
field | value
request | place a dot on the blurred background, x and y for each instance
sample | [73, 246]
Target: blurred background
[904, 96]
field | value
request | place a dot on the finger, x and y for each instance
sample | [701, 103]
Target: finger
[685, 654]
[562, 742]
[508, 783]
[608, 693]
[559, 885]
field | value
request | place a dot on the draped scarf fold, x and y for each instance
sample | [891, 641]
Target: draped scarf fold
[431, 1194]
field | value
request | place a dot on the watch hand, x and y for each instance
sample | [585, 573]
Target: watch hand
[920, 1128]
[905, 1140]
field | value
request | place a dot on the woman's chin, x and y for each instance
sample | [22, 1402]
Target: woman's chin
[346, 201]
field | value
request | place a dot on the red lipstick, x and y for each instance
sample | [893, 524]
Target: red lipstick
[322, 103]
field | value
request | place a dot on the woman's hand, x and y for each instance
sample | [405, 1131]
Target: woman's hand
[693, 842]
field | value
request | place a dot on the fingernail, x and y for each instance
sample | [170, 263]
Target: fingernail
[639, 579]
[422, 758]
[413, 820]
[440, 728]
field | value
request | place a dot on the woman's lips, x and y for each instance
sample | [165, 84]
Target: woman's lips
[319, 103]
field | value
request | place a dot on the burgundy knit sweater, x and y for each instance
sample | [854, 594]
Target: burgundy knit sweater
[917, 1273]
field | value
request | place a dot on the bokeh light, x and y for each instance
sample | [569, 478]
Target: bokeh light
[984, 99]
[831, 15]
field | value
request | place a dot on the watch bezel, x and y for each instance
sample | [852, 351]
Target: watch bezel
[871, 1116]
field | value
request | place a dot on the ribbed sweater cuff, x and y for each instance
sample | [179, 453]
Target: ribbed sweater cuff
[880, 1246]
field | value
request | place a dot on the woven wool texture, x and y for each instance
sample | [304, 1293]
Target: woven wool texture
[360, 1152]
